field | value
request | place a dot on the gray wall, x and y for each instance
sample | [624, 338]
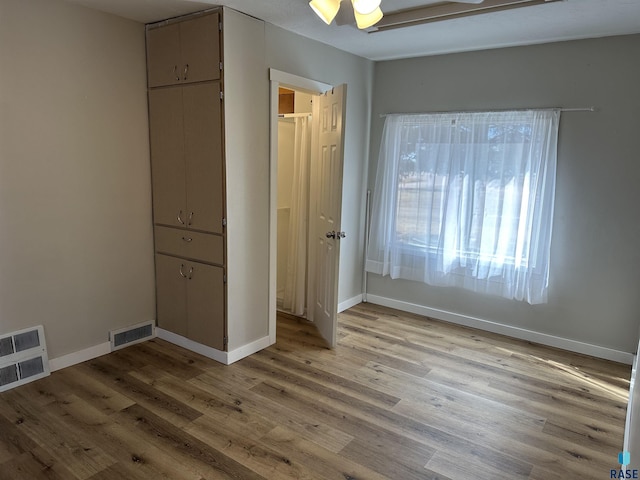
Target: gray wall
[75, 197]
[594, 292]
[297, 55]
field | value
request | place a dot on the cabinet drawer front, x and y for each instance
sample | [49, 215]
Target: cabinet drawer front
[193, 245]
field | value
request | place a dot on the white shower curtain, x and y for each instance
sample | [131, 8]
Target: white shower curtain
[294, 299]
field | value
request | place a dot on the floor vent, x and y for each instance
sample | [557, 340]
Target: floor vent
[23, 357]
[130, 335]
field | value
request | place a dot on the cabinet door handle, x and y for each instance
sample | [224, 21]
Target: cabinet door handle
[187, 239]
[175, 72]
[190, 218]
[190, 274]
[181, 272]
[186, 71]
[179, 217]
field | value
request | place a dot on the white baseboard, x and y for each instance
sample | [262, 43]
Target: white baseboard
[510, 331]
[351, 302]
[248, 349]
[223, 357]
[226, 358]
[215, 354]
[74, 358]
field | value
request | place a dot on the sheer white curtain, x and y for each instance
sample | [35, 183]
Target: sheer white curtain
[466, 200]
[294, 299]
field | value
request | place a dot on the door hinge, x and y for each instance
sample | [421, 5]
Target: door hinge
[225, 340]
[220, 26]
[224, 278]
[220, 66]
[221, 95]
[224, 222]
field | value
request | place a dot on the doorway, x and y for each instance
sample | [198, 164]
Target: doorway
[295, 121]
[325, 192]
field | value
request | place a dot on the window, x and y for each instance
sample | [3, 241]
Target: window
[466, 200]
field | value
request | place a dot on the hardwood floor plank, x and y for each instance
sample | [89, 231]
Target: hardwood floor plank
[395, 436]
[543, 402]
[353, 355]
[192, 453]
[143, 394]
[36, 464]
[249, 423]
[324, 463]
[134, 459]
[269, 461]
[471, 409]
[465, 467]
[153, 356]
[393, 465]
[274, 365]
[86, 386]
[585, 430]
[253, 404]
[13, 442]
[66, 445]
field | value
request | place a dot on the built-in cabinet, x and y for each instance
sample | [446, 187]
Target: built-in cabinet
[187, 161]
[209, 168]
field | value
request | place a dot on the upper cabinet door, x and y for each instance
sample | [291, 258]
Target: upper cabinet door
[200, 48]
[164, 62]
[184, 52]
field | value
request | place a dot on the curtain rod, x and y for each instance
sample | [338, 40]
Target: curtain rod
[580, 109]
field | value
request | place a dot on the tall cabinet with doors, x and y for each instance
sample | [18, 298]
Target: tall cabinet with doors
[191, 173]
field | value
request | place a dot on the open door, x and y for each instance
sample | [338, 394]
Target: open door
[326, 195]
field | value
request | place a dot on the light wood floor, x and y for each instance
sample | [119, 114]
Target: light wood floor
[402, 397]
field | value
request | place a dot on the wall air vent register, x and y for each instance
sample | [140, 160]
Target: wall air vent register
[23, 357]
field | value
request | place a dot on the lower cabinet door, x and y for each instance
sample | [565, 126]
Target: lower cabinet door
[205, 305]
[171, 294]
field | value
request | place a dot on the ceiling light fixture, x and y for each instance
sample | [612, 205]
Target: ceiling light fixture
[365, 7]
[367, 12]
[325, 9]
[366, 20]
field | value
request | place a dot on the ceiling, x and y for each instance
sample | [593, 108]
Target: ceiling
[557, 21]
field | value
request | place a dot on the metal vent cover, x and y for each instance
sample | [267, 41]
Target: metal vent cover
[23, 357]
[131, 335]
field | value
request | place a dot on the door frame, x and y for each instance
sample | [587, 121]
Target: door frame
[278, 78]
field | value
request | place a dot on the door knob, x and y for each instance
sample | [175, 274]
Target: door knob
[331, 234]
[340, 235]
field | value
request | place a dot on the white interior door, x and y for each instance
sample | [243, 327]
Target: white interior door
[326, 195]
